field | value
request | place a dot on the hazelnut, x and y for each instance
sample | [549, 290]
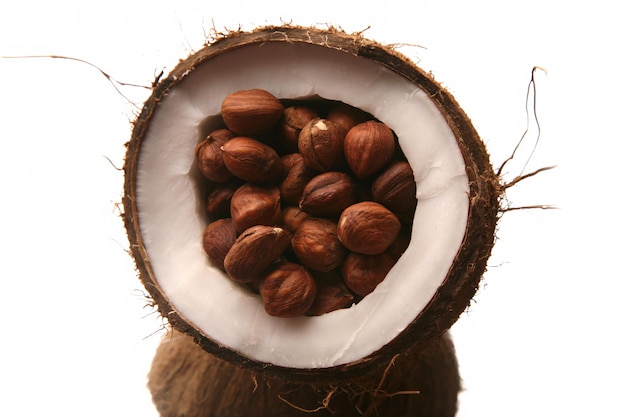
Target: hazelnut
[218, 200]
[395, 189]
[289, 160]
[251, 160]
[332, 294]
[251, 112]
[293, 218]
[253, 251]
[209, 156]
[346, 117]
[368, 228]
[328, 194]
[368, 147]
[321, 145]
[291, 167]
[217, 239]
[363, 273]
[294, 119]
[288, 290]
[316, 245]
[297, 178]
[400, 245]
[254, 204]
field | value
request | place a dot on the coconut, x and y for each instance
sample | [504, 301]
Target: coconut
[186, 381]
[422, 295]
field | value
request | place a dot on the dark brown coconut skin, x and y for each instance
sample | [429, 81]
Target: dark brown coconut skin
[187, 381]
[462, 281]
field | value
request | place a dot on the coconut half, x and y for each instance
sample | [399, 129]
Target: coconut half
[453, 228]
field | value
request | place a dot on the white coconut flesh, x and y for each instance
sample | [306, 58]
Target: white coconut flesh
[171, 217]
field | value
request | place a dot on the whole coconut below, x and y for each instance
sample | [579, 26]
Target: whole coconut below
[364, 356]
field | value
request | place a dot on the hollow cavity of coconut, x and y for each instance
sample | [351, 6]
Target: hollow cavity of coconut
[421, 296]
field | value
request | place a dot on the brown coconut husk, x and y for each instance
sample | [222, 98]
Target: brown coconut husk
[187, 381]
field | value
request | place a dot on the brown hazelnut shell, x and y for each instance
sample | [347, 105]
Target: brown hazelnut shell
[294, 119]
[253, 251]
[287, 290]
[346, 117]
[293, 218]
[317, 246]
[209, 156]
[217, 239]
[251, 112]
[368, 228]
[218, 201]
[363, 273]
[395, 189]
[255, 204]
[368, 147]
[321, 144]
[332, 294]
[297, 178]
[251, 160]
[328, 194]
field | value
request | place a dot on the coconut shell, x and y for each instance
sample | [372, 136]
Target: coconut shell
[187, 381]
[451, 298]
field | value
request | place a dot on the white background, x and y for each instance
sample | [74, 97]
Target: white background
[544, 336]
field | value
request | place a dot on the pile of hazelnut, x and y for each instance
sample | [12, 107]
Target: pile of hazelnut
[310, 202]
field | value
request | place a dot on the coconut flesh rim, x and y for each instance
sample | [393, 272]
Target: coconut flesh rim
[172, 218]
